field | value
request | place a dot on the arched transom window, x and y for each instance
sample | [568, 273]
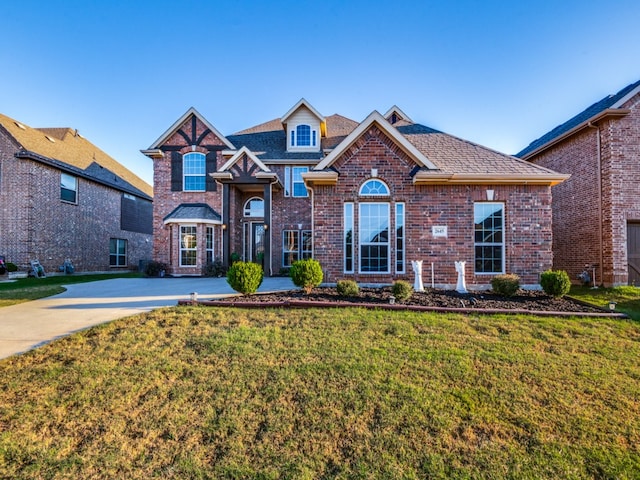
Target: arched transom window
[254, 207]
[374, 187]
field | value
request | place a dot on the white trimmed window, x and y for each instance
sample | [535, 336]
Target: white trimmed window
[348, 238]
[296, 245]
[400, 238]
[293, 182]
[194, 169]
[303, 136]
[375, 188]
[488, 220]
[188, 246]
[117, 252]
[373, 235]
[254, 207]
[209, 246]
[68, 188]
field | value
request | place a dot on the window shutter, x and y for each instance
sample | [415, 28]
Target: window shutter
[211, 167]
[176, 172]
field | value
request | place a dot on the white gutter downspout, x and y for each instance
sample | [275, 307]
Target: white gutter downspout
[599, 182]
[313, 223]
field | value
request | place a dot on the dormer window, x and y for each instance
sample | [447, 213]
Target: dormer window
[303, 136]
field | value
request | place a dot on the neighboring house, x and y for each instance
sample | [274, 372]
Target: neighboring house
[364, 199]
[597, 211]
[61, 198]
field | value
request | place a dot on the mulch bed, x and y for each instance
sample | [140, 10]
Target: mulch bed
[525, 301]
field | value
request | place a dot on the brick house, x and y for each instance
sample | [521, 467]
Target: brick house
[597, 211]
[364, 199]
[62, 198]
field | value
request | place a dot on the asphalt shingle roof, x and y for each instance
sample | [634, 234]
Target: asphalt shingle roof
[582, 117]
[190, 211]
[63, 147]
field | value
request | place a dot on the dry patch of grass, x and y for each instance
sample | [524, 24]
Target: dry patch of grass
[193, 392]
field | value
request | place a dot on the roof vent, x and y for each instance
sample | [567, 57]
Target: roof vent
[20, 126]
[50, 139]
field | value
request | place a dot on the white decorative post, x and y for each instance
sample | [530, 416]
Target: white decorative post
[417, 269]
[461, 287]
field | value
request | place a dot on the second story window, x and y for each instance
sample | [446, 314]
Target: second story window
[194, 171]
[303, 136]
[293, 182]
[68, 188]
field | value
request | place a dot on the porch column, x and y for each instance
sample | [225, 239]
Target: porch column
[267, 227]
[225, 221]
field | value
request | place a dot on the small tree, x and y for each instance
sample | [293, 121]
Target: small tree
[306, 274]
[347, 288]
[245, 277]
[555, 282]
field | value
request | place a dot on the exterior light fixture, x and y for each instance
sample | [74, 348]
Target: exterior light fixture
[224, 226]
[194, 297]
[490, 195]
[612, 305]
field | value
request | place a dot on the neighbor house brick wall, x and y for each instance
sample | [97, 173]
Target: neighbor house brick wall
[527, 209]
[37, 224]
[600, 198]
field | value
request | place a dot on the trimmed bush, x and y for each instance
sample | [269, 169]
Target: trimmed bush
[306, 274]
[402, 290]
[347, 288]
[215, 269]
[506, 285]
[555, 283]
[155, 269]
[12, 267]
[245, 277]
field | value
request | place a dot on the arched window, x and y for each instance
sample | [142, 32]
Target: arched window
[374, 187]
[303, 136]
[194, 171]
[254, 207]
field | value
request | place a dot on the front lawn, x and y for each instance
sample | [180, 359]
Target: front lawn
[627, 298]
[194, 392]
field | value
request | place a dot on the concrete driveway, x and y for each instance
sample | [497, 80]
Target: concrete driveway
[31, 324]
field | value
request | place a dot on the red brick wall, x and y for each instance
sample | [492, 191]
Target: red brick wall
[36, 224]
[579, 223]
[527, 218]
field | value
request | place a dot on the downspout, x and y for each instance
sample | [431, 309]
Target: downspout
[313, 222]
[271, 184]
[599, 183]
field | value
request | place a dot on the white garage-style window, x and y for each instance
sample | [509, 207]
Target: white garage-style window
[489, 237]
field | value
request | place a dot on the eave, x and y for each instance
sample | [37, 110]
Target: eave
[608, 113]
[435, 178]
[153, 153]
[314, 178]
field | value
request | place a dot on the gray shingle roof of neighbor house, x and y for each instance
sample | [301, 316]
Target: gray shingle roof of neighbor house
[610, 101]
[193, 211]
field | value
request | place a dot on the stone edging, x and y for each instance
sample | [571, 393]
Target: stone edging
[384, 306]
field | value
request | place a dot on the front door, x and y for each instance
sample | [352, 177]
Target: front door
[633, 253]
[254, 242]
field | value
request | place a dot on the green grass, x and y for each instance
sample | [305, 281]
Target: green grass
[194, 392]
[627, 298]
[27, 289]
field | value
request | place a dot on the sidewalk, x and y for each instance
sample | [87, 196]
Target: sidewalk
[31, 324]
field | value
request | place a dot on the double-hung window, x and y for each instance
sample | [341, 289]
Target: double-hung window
[293, 182]
[296, 245]
[374, 237]
[194, 167]
[303, 136]
[489, 237]
[117, 252]
[68, 188]
[209, 240]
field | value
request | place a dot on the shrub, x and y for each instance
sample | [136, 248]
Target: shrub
[245, 277]
[215, 269]
[155, 269]
[235, 257]
[347, 288]
[506, 285]
[12, 267]
[306, 274]
[402, 290]
[555, 282]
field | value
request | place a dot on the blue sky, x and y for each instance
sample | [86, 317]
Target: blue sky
[494, 72]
